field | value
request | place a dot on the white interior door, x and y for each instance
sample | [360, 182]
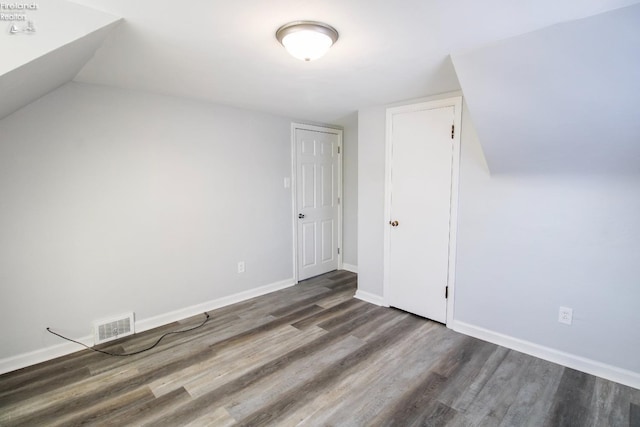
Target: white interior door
[317, 200]
[420, 211]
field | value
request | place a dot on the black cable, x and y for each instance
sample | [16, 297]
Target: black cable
[135, 352]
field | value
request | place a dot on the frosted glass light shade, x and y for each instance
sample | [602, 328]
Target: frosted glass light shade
[307, 45]
[307, 40]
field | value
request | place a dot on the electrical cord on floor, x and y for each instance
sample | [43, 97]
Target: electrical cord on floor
[135, 352]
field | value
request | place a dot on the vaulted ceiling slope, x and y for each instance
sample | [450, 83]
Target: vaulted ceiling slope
[563, 99]
[226, 52]
[66, 36]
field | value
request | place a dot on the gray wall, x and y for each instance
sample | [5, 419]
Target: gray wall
[114, 201]
[371, 152]
[350, 189]
[527, 244]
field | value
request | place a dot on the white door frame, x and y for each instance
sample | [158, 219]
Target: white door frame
[294, 192]
[455, 102]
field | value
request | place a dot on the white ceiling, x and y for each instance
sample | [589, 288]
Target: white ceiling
[563, 99]
[67, 35]
[226, 51]
[57, 23]
[552, 86]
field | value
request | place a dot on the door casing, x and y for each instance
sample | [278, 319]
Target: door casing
[456, 103]
[294, 192]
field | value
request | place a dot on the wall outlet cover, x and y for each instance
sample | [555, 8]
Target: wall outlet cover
[565, 315]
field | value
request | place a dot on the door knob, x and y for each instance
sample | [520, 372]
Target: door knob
[300, 216]
[394, 223]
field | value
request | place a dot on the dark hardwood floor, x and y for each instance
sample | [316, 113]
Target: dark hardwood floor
[311, 355]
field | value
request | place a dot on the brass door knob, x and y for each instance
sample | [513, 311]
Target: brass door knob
[394, 223]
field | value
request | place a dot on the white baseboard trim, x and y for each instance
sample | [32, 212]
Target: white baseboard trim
[164, 319]
[38, 356]
[599, 369]
[350, 267]
[370, 298]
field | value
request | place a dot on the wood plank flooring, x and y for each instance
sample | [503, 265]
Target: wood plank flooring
[311, 355]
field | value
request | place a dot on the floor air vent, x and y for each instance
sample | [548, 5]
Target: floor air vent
[112, 329]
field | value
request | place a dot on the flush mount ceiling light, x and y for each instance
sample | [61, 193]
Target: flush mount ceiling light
[307, 40]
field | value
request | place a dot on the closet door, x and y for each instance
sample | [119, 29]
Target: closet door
[317, 201]
[420, 185]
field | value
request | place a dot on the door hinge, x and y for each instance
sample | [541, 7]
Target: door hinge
[446, 292]
[338, 149]
[338, 200]
[452, 130]
[338, 251]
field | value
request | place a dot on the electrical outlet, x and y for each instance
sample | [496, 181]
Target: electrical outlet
[565, 315]
[241, 267]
